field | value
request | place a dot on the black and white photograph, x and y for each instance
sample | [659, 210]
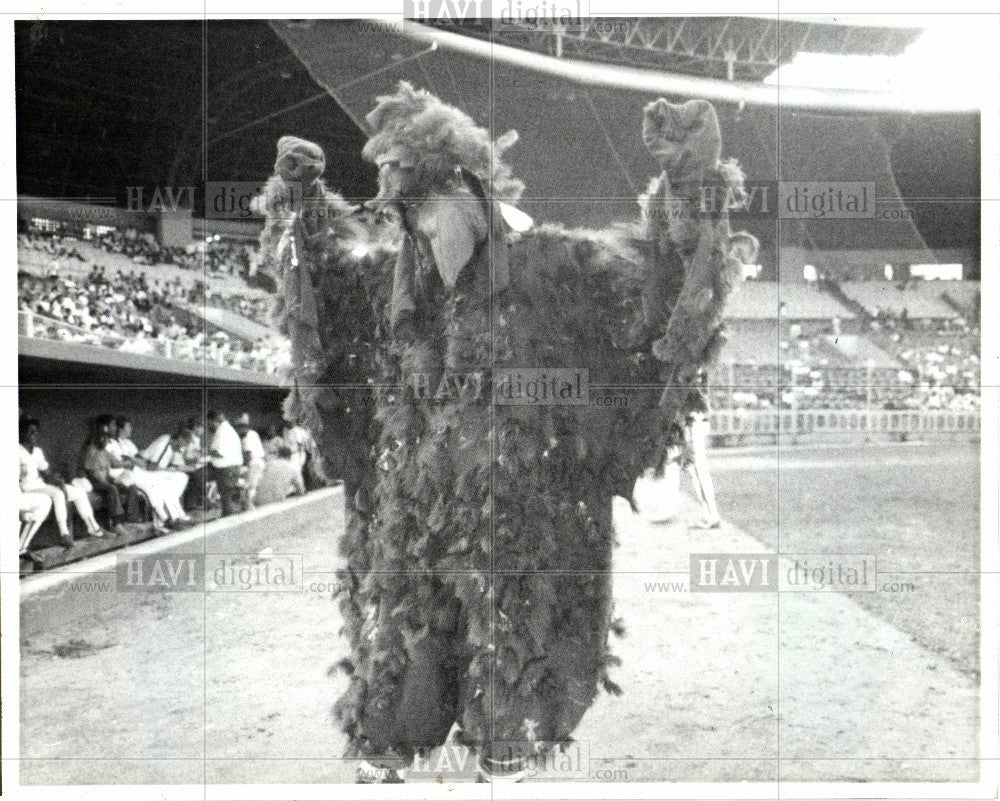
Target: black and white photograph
[505, 398]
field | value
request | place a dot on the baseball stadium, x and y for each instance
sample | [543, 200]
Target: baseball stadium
[255, 550]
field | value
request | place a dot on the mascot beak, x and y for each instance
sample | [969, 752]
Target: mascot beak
[395, 171]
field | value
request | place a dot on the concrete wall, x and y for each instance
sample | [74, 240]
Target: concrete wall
[173, 227]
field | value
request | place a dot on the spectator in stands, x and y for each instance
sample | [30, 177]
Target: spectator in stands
[25, 318]
[37, 477]
[281, 479]
[253, 457]
[225, 458]
[127, 312]
[99, 465]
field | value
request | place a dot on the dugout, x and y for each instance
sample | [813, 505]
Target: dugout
[65, 385]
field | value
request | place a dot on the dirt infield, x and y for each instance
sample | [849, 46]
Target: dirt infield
[233, 687]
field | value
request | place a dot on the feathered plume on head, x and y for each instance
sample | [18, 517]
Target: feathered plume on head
[415, 129]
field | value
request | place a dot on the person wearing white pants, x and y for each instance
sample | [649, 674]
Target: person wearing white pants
[163, 488]
[253, 457]
[34, 468]
[695, 455]
[164, 456]
[33, 508]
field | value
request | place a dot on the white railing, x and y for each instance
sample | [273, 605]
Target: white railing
[766, 422]
[37, 326]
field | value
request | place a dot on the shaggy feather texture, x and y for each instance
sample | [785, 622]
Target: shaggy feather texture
[477, 583]
[415, 129]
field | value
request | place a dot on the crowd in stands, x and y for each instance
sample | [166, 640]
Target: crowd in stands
[130, 313]
[824, 393]
[254, 308]
[216, 255]
[939, 369]
[56, 245]
[944, 354]
[196, 466]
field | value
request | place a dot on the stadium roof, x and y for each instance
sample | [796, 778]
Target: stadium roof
[104, 105]
[580, 150]
[733, 48]
[107, 104]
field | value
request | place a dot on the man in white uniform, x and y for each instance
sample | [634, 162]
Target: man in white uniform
[162, 485]
[33, 508]
[695, 455]
[128, 473]
[34, 469]
[300, 442]
[225, 460]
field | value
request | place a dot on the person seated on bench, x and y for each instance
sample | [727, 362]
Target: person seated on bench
[37, 476]
[165, 455]
[188, 446]
[98, 465]
[163, 488]
[281, 478]
[273, 441]
[33, 508]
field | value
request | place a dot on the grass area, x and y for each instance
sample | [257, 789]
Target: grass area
[914, 506]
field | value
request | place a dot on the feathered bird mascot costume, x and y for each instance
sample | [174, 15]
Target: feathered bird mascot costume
[476, 590]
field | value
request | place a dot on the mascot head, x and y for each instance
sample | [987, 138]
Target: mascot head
[420, 144]
[448, 182]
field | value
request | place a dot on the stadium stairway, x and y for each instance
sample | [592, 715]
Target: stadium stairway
[834, 289]
[879, 338]
[953, 303]
[968, 310]
[858, 350]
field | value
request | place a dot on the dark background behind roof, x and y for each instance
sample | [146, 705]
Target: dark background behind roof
[104, 105]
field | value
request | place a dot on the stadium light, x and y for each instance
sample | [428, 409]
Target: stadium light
[911, 97]
[963, 44]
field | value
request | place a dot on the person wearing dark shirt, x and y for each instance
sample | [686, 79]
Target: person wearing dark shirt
[98, 464]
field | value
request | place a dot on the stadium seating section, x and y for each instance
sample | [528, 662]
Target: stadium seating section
[114, 293]
[761, 300]
[791, 343]
[918, 299]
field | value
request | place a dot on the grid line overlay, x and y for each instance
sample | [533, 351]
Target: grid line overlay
[205, 384]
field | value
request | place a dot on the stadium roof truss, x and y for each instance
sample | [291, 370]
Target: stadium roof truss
[733, 48]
